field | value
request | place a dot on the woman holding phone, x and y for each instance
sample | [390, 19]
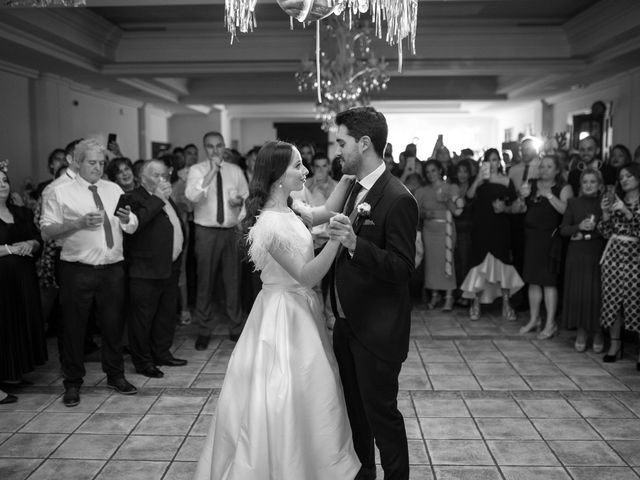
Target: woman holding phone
[493, 275]
[620, 263]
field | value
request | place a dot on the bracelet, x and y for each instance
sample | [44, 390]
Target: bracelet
[8, 249]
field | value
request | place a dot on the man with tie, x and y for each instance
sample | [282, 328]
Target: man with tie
[370, 292]
[217, 190]
[153, 255]
[83, 214]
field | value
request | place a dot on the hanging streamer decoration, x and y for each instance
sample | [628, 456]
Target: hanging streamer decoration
[400, 16]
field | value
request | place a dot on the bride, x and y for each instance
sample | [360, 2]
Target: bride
[281, 412]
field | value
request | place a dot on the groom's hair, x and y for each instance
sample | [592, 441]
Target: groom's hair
[366, 121]
[272, 161]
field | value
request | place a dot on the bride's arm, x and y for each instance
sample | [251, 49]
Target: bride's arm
[334, 203]
[306, 273]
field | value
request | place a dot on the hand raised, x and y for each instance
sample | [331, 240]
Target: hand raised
[163, 190]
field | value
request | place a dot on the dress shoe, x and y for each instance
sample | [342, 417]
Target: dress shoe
[202, 342]
[71, 396]
[121, 385]
[8, 399]
[172, 361]
[150, 371]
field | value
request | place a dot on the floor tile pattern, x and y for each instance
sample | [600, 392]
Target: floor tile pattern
[480, 402]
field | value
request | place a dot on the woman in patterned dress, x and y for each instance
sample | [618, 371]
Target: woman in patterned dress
[438, 202]
[621, 259]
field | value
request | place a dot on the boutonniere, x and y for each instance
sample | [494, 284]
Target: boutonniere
[364, 210]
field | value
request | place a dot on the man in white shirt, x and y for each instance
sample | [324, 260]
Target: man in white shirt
[217, 190]
[82, 214]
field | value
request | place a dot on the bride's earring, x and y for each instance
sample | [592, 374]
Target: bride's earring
[280, 185]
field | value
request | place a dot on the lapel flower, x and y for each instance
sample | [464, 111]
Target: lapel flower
[364, 210]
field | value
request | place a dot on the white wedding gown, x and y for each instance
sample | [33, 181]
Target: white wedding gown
[281, 414]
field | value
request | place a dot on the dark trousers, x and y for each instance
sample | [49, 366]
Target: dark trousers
[82, 286]
[371, 391]
[152, 317]
[218, 257]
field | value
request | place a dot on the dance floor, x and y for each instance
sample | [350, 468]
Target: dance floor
[480, 402]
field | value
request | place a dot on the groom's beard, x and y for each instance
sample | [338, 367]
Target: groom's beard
[352, 166]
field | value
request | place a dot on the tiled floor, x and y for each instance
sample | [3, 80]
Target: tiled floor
[480, 402]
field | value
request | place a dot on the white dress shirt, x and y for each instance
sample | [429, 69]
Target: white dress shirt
[68, 176]
[71, 200]
[178, 238]
[516, 173]
[205, 200]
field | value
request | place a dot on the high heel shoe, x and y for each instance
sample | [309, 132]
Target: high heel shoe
[448, 303]
[435, 300]
[508, 313]
[474, 311]
[612, 358]
[547, 334]
[598, 343]
[530, 327]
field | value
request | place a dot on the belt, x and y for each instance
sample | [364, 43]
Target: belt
[621, 238]
[214, 228]
[94, 267]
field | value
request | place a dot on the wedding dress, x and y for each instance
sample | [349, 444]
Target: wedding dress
[281, 413]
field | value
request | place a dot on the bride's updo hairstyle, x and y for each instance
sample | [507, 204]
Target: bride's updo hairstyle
[272, 161]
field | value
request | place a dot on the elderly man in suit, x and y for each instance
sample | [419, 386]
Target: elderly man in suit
[153, 255]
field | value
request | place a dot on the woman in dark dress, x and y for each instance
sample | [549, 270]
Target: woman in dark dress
[464, 223]
[546, 201]
[582, 289]
[492, 274]
[22, 341]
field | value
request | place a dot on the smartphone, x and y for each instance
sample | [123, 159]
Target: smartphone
[112, 138]
[440, 137]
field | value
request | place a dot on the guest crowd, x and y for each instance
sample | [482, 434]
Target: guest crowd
[132, 250]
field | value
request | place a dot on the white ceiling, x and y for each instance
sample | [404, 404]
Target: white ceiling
[174, 53]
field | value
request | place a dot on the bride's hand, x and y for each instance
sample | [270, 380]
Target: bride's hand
[340, 228]
[347, 178]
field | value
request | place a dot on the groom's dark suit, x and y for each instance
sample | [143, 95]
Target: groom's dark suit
[371, 339]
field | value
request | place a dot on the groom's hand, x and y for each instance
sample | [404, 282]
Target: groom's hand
[340, 228]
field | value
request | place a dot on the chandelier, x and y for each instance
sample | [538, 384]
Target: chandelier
[348, 76]
[44, 3]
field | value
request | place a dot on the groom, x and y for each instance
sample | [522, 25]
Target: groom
[370, 292]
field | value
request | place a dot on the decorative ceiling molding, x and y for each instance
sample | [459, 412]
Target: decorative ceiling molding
[150, 88]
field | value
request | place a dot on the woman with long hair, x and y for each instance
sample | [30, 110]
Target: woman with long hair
[281, 410]
[22, 341]
[620, 224]
[492, 274]
[463, 178]
[582, 289]
[439, 202]
[546, 201]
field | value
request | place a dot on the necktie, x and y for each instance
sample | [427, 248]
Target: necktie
[105, 222]
[525, 174]
[220, 201]
[348, 208]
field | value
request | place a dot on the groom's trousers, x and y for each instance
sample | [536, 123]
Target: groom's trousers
[371, 390]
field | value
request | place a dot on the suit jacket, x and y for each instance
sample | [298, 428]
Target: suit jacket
[373, 285]
[149, 251]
